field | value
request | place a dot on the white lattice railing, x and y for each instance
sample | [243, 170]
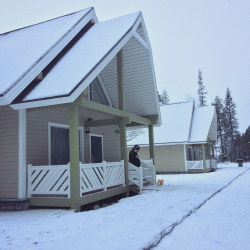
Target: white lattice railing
[135, 175]
[194, 165]
[49, 181]
[101, 176]
[148, 170]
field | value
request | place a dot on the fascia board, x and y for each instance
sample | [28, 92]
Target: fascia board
[29, 77]
[87, 81]
[152, 68]
[171, 143]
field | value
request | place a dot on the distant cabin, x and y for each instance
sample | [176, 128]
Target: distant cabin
[185, 141]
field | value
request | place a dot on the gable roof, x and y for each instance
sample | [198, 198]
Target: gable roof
[25, 52]
[82, 59]
[182, 123]
[88, 52]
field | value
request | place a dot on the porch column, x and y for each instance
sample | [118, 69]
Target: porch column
[74, 157]
[151, 142]
[123, 146]
[213, 152]
[22, 155]
[204, 158]
[123, 132]
[120, 76]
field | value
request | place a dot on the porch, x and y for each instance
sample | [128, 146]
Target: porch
[200, 158]
[95, 179]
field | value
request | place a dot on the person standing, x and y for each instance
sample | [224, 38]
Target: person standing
[134, 157]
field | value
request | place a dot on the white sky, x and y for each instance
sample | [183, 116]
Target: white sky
[185, 35]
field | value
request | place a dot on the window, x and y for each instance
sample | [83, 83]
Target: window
[190, 154]
[59, 144]
[194, 154]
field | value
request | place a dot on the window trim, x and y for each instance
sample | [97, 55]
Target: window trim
[57, 125]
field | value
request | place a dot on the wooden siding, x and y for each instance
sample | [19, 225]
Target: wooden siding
[138, 79]
[168, 158]
[8, 152]
[37, 134]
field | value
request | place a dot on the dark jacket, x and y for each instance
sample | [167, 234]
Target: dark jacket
[133, 159]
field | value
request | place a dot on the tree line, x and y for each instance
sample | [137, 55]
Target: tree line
[231, 144]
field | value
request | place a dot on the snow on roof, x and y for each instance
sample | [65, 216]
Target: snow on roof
[201, 123]
[20, 50]
[176, 120]
[83, 57]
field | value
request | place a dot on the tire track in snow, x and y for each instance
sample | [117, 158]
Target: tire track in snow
[169, 229]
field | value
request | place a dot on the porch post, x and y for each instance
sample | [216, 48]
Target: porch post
[22, 155]
[213, 152]
[123, 146]
[151, 142]
[204, 158]
[74, 157]
[120, 75]
[185, 156]
[123, 135]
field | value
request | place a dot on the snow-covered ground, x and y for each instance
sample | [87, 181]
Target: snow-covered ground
[200, 210]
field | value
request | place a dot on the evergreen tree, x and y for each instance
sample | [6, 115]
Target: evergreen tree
[218, 103]
[230, 123]
[201, 91]
[163, 98]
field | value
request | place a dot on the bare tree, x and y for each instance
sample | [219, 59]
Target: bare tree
[132, 134]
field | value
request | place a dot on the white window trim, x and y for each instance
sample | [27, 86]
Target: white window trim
[56, 125]
[97, 135]
[91, 91]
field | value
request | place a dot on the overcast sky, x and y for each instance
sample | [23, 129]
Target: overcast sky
[213, 35]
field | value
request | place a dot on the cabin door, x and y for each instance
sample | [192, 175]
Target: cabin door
[96, 146]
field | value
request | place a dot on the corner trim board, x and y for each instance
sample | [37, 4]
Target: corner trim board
[22, 154]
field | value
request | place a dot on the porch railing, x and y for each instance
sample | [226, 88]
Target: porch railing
[195, 165]
[101, 176]
[198, 165]
[135, 175]
[148, 170]
[49, 181]
[145, 171]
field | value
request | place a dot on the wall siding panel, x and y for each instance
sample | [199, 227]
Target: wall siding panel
[167, 158]
[37, 134]
[8, 152]
[138, 78]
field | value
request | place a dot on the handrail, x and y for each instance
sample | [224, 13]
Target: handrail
[135, 175]
[148, 170]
